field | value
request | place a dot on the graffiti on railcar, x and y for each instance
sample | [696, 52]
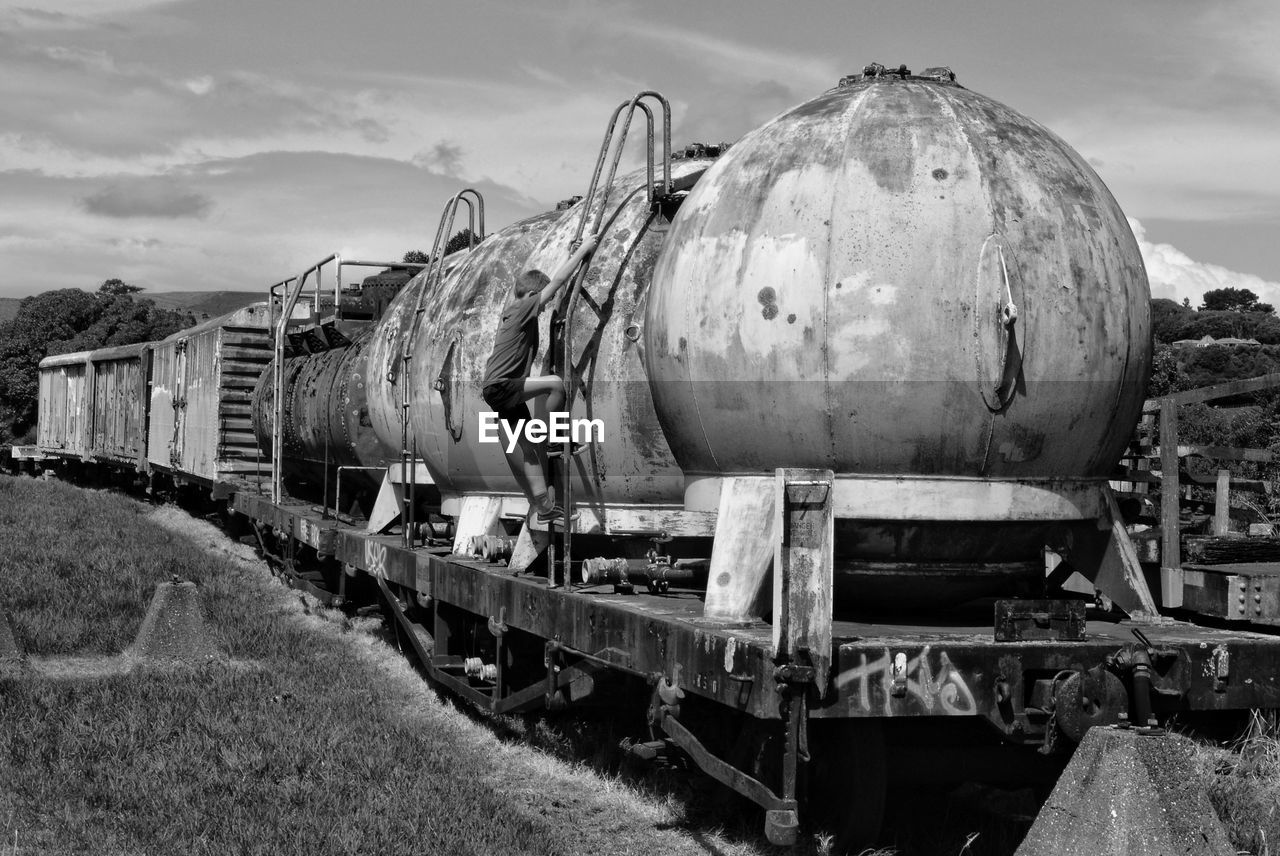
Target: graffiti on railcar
[375, 559]
[941, 689]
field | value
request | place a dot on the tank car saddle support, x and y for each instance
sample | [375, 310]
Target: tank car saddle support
[802, 536]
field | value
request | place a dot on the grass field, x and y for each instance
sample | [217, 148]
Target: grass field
[318, 739]
[325, 743]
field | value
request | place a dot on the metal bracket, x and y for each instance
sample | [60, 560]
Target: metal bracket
[499, 627]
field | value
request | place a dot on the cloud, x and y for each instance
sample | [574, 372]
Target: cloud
[147, 197]
[274, 215]
[724, 117]
[444, 157]
[63, 14]
[1175, 275]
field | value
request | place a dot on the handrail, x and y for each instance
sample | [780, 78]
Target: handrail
[279, 327]
[576, 281]
[434, 274]
[277, 427]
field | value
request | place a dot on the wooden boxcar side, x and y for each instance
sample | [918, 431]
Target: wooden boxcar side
[202, 381]
[63, 422]
[117, 381]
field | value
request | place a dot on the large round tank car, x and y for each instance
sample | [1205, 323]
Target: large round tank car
[631, 463]
[899, 277]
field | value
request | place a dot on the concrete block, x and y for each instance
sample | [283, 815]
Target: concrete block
[1128, 794]
[174, 629]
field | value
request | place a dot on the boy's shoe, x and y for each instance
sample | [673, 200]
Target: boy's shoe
[555, 512]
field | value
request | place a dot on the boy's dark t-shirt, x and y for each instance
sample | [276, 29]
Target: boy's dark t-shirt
[516, 343]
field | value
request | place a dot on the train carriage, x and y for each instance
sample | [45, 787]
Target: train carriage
[117, 382]
[866, 373]
[202, 381]
[63, 428]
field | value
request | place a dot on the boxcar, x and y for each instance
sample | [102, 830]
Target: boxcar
[202, 380]
[117, 384]
[63, 428]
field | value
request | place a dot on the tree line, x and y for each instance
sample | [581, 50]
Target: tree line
[62, 322]
[69, 320]
[1225, 312]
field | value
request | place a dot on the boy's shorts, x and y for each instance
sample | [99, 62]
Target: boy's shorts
[506, 397]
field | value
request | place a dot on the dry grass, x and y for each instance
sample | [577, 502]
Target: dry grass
[1243, 781]
[332, 746]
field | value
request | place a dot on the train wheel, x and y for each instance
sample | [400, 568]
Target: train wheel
[847, 782]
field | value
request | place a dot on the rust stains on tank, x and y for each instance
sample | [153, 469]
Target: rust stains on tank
[845, 192]
[888, 151]
[768, 298]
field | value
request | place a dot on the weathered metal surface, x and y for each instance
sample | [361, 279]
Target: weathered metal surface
[1244, 591]
[834, 292]
[633, 463]
[297, 521]
[802, 576]
[384, 364]
[882, 669]
[202, 385]
[1017, 620]
[326, 410]
[456, 329]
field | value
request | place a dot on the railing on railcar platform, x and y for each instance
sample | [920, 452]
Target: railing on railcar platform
[286, 295]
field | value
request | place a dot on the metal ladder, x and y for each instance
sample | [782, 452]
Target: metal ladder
[435, 273]
[567, 372]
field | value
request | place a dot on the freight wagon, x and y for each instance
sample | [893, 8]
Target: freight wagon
[96, 405]
[865, 377]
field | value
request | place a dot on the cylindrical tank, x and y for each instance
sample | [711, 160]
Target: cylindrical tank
[326, 412]
[632, 464]
[383, 360]
[900, 276]
[834, 293]
[462, 306]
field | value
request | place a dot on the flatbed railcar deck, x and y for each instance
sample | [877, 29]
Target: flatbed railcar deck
[884, 668]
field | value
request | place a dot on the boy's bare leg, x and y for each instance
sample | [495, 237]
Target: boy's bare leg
[516, 461]
[533, 460]
[546, 394]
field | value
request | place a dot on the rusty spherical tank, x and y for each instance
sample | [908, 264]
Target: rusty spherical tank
[632, 463]
[900, 276]
[326, 413]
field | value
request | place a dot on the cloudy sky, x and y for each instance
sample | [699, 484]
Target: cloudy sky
[224, 144]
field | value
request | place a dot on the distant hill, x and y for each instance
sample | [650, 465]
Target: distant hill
[211, 303]
[198, 303]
